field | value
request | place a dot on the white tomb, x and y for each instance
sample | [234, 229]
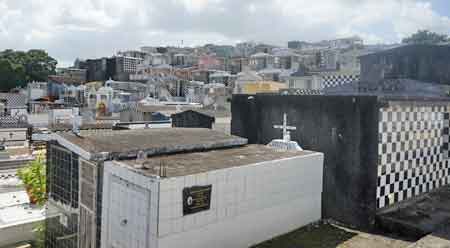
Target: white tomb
[227, 198]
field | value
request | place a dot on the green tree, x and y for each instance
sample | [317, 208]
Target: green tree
[39, 65]
[425, 37]
[11, 75]
[18, 67]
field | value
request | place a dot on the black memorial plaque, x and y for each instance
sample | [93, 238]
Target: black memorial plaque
[196, 199]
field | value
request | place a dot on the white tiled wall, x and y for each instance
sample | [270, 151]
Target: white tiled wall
[413, 151]
[249, 204]
[150, 184]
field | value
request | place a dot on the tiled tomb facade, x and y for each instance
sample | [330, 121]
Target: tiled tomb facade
[379, 150]
[412, 150]
[339, 79]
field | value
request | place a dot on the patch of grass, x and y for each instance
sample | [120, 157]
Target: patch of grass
[321, 235]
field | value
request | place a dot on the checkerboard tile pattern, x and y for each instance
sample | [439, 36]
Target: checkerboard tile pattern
[13, 100]
[337, 80]
[412, 152]
[446, 134]
[301, 92]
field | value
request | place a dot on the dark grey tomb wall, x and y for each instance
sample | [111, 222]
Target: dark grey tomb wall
[427, 63]
[345, 129]
[191, 119]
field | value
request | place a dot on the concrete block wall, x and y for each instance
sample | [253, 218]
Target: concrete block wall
[249, 204]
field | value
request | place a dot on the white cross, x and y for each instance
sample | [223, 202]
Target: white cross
[285, 127]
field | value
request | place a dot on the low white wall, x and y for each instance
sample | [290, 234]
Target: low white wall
[249, 204]
[56, 116]
[14, 136]
[18, 233]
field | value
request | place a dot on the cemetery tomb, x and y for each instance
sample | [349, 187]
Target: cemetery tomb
[380, 152]
[111, 187]
[234, 197]
[413, 151]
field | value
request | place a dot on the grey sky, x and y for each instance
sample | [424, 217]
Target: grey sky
[93, 28]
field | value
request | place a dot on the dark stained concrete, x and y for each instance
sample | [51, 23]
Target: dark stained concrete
[200, 162]
[426, 63]
[126, 144]
[192, 119]
[421, 216]
[344, 128]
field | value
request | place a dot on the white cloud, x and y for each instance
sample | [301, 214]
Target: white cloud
[91, 28]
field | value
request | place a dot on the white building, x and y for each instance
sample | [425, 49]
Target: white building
[260, 61]
[349, 60]
[285, 58]
[36, 90]
[134, 54]
[137, 90]
[75, 95]
[329, 59]
[304, 80]
[63, 116]
[130, 63]
[157, 59]
[245, 48]
[346, 42]
[221, 77]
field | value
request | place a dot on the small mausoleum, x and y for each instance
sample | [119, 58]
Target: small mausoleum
[192, 118]
[177, 187]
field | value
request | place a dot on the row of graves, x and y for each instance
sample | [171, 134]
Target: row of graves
[378, 151]
[177, 187]
[385, 139]
[189, 187]
[18, 218]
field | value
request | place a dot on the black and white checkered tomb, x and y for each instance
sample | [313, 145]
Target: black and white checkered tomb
[338, 80]
[301, 92]
[412, 152]
[446, 134]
